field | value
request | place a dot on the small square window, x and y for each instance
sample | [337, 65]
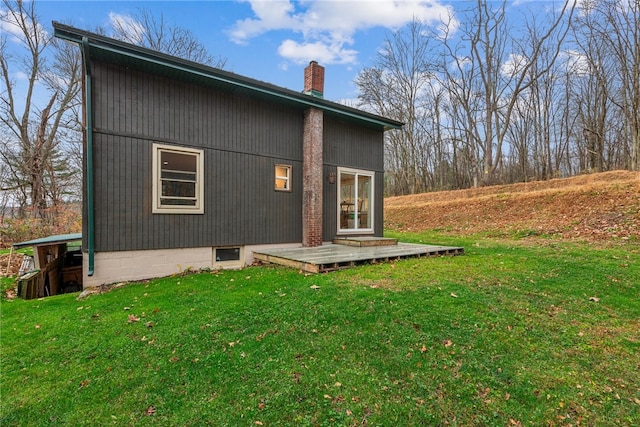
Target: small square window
[177, 179]
[283, 178]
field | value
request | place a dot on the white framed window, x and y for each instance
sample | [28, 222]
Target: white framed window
[355, 201]
[178, 180]
[283, 177]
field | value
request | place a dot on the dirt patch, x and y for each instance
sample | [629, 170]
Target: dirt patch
[593, 207]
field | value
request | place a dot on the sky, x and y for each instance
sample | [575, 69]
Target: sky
[273, 40]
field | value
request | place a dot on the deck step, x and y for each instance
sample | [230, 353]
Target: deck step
[365, 241]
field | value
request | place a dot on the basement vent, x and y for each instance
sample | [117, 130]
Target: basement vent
[227, 254]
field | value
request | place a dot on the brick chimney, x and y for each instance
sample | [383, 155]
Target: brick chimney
[314, 80]
[312, 177]
[312, 159]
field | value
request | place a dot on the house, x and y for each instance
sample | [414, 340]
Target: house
[188, 166]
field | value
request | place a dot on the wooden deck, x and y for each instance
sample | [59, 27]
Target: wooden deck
[331, 257]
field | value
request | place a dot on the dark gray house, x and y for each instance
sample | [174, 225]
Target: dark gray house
[188, 166]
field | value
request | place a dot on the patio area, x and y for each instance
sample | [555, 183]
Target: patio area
[349, 252]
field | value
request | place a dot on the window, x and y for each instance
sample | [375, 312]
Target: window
[178, 180]
[229, 257]
[227, 254]
[283, 178]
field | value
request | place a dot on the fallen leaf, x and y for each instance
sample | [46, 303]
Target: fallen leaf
[38, 326]
[314, 287]
[484, 392]
[133, 318]
[447, 343]
[594, 299]
[258, 423]
[423, 349]
[507, 396]
[149, 325]
[151, 410]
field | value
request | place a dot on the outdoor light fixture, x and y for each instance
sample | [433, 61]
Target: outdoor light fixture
[331, 177]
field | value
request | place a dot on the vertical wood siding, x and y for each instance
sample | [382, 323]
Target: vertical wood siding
[346, 145]
[242, 139]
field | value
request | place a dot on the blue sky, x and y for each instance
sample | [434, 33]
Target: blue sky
[272, 40]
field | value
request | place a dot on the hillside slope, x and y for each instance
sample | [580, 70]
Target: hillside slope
[588, 207]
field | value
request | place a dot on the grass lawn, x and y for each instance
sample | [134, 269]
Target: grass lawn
[516, 332]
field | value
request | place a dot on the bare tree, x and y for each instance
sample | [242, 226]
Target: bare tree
[607, 91]
[619, 29]
[154, 32]
[33, 132]
[398, 86]
[492, 70]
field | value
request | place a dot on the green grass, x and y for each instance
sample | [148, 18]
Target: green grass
[506, 334]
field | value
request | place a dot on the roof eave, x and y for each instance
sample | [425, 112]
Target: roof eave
[97, 41]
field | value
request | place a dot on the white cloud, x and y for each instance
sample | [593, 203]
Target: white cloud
[326, 27]
[575, 62]
[130, 30]
[512, 66]
[20, 75]
[324, 53]
[9, 25]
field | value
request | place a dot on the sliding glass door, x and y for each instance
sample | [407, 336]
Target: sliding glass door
[355, 201]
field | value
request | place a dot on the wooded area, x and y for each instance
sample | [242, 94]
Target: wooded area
[487, 97]
[493, 98]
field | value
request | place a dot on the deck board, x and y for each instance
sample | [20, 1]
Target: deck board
[331, 257]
